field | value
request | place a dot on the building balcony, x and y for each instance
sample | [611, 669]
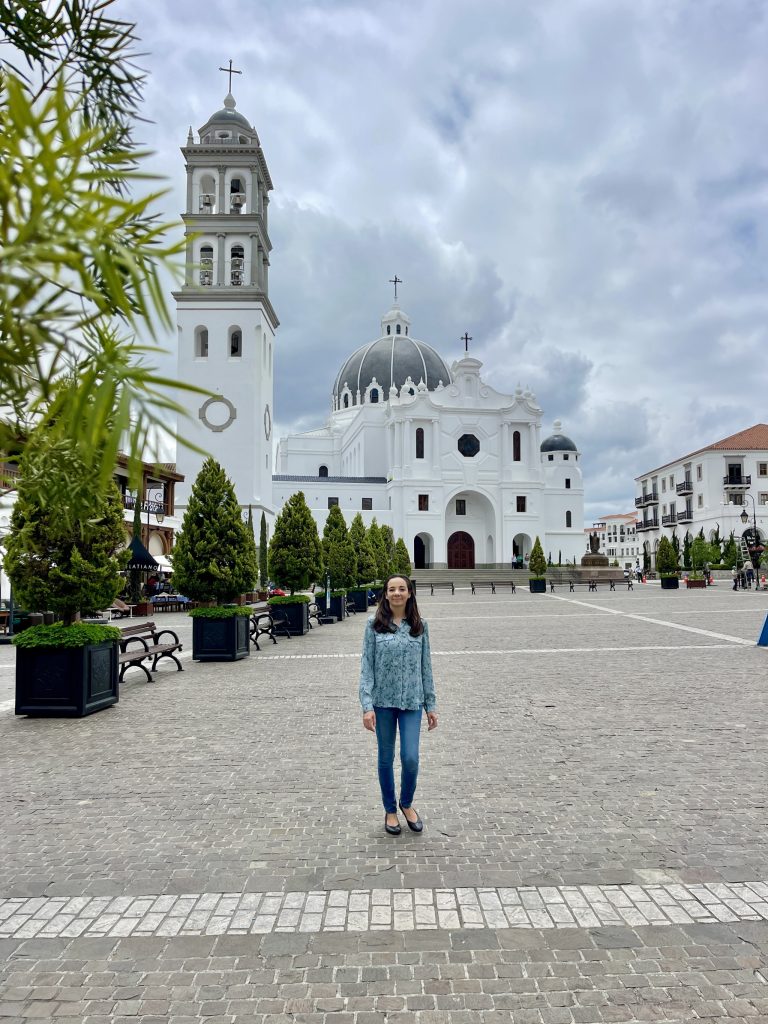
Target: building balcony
[686, 487]
[648, 524]
[737, 483]
[652, 498]
[686, 516]
[670, 520]
[154, 508]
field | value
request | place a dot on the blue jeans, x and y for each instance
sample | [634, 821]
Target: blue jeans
[387, 722]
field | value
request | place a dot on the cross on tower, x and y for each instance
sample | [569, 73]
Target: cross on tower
[466, 339]
[395, 281]
[230, 71]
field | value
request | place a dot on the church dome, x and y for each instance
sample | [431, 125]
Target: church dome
[227, 117]
[558, 442]
[391, 360]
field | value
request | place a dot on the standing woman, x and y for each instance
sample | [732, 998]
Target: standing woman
[395, 685]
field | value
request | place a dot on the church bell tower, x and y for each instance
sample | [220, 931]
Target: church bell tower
[226, 322]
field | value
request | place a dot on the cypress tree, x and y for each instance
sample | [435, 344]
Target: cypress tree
[295, 552]
[388, 540]
[338, 551]
[537, 563]
[666, 558]
[214, 558]
[379, 551]
[254, 553]
[401, 563]
[366, 562]
[263, 565]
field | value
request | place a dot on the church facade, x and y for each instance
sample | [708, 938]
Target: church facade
[459, 470]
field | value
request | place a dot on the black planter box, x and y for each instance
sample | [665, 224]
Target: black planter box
[221, 639]
[537, 586]
[338, 606]
[296, 616]
[670, 583]
[66, 681]
[359, 599]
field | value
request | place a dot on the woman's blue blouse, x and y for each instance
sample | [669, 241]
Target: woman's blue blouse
[396, 669]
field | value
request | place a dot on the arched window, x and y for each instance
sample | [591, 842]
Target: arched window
[201, 342]
[236, 195]
[419, 442]
[397, 329]
[323, 471]
[389, 329]
[235, 342]
[516, 446]
[206, 264]
[568, 519]
[236, 264]
[373, 396]
[346, 401]
[406, 331]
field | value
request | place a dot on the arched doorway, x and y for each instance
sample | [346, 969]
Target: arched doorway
[422, 551]
[461, 551]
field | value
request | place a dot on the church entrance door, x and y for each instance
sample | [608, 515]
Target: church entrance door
[461, 551]
[419, 559]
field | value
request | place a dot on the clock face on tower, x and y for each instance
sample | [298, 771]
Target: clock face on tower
[267, 422]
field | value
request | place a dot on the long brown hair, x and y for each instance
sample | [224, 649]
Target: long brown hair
[382, 623]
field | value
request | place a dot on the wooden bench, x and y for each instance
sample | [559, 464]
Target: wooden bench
[149, 644]
[441, 586]
[267, 624]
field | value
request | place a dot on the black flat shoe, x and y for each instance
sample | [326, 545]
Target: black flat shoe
[414, 826]
[392, 830]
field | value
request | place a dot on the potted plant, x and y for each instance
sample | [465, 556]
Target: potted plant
[66, 563]
[263, 565]
[666, 565]
[338, 605]
[295, 558]
[537, 567]
[214, 562]
[702, 552]
[339, 562]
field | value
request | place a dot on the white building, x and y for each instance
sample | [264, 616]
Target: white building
[457, 469]
[707, 489]
[618, 538]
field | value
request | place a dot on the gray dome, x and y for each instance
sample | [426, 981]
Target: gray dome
[391, 360]
[227, 117]
[558, 443]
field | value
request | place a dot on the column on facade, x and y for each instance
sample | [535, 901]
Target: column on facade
[265, 271]
[222, 208]
[436, 445]
[397, 462]
[409, 447]
[252, 253]
[253, 205]
[189, 268]
[189, 190]
[220, 271]
[504, 453]
[264, 205]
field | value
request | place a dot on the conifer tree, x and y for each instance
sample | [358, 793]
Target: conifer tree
[263, 565]
[295, 551]
[54, 563]
[214, 558]
[666, 558]
[254, 553]
[338, 551]
[388, 540]
[537, 563]
[401, 563]
[366, 562]
[379, 550]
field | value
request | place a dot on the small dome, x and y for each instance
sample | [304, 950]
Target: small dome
[227, 116]
[391, 360]
[558, 442]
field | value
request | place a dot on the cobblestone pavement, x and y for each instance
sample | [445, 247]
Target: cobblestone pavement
[594, 848]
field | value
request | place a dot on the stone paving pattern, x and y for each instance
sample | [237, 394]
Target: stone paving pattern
[585, 745]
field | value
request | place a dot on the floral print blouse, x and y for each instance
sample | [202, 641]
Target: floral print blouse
[396, 669]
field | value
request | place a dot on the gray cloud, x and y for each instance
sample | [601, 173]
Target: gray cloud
[580, 184]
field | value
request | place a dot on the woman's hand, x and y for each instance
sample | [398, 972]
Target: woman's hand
[369, 721]
[431, 720]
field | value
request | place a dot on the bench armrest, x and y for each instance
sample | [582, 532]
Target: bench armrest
[162, 632]
[124, 641]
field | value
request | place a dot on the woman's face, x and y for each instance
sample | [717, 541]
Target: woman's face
[397, 594]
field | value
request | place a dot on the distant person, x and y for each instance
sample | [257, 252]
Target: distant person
[750, 574]
[735, 577]
[396, 685]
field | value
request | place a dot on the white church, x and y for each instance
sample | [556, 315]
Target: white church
[457, 469]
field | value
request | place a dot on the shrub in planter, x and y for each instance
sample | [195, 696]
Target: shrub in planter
[214, 561]
[338, 606]
[339, 558]
[666, 565]
[63, 563]
[366, 561]
[295, 552]
[294, 610]
[537, 567]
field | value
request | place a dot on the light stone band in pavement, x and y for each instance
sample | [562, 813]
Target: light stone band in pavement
[357, 910]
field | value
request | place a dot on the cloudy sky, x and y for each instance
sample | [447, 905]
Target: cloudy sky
[580, 184]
